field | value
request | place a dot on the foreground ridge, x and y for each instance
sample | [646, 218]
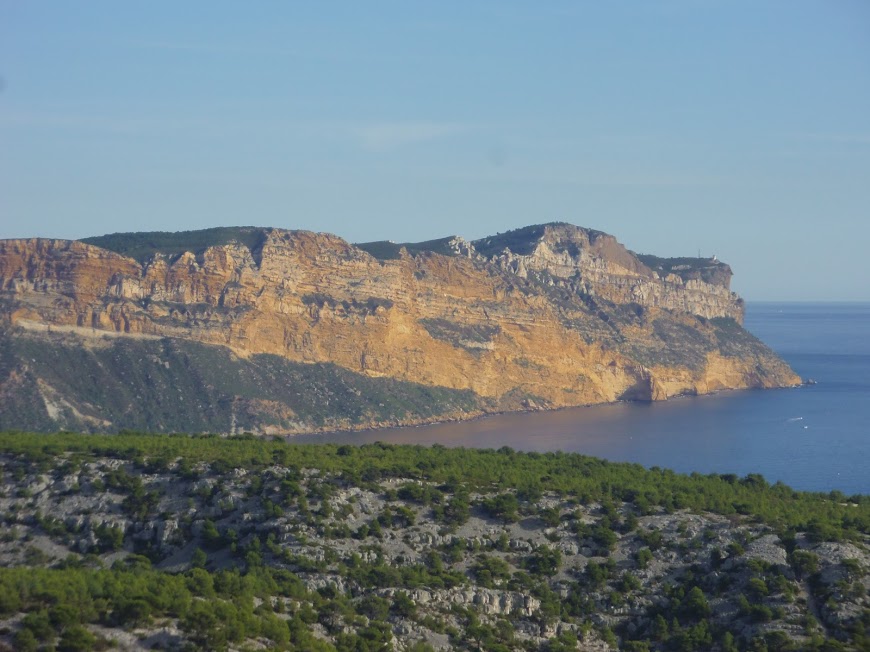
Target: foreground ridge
[266, 330]
[140, 541]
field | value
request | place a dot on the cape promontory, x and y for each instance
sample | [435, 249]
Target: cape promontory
[275, 331]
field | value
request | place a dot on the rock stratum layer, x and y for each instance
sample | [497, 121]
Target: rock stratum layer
[268, 330]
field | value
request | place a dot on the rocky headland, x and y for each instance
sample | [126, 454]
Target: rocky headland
[272, 331]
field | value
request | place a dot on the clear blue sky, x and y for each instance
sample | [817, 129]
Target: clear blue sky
[738, 128]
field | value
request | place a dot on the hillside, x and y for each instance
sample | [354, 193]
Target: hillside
[173, 542]
[265, 330]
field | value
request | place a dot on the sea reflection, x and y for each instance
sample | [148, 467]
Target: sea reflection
[812, 438]
[731, 432]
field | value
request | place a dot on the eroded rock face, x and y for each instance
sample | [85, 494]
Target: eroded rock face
[602, 267]
[544, 317]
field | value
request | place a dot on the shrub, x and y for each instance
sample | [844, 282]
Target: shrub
[503, 506]
[643, 556]
[76, 639]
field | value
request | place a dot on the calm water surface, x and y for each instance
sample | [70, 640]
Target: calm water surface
[815, 437]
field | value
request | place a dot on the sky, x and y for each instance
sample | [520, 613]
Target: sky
[739, 129]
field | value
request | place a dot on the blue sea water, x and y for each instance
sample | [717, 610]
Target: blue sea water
[815, 437]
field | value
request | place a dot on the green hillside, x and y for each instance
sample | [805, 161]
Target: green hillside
[173, 385]
[203, 543]
[143, 245]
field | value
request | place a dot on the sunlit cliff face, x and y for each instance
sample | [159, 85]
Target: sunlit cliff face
[553, 315]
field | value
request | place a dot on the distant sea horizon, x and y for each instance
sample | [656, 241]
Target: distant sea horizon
[814, 438]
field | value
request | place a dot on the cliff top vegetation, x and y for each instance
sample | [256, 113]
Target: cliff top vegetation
[142, 246]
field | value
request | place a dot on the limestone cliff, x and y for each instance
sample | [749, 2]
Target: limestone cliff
[600, 266]
[546, 316]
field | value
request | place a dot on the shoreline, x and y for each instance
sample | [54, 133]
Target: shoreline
[488, 415]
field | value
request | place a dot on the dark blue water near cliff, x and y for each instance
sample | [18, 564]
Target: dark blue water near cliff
[815, 437]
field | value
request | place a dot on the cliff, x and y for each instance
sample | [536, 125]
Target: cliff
[547, 316]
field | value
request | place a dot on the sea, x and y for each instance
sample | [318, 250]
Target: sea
[813, 438]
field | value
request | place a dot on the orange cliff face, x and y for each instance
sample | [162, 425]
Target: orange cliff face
[548, 316]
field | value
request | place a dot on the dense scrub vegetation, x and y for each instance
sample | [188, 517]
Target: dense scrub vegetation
[388, 250]
[143, 245]
[833, 515]
[214, 543]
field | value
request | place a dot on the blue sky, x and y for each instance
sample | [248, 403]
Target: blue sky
[740, 129]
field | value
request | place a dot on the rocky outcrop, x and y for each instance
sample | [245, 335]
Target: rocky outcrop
[595, 264]
[332, 546]
[548, 316]
[486, 601]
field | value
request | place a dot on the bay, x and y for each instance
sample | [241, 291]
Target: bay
[815, 437]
